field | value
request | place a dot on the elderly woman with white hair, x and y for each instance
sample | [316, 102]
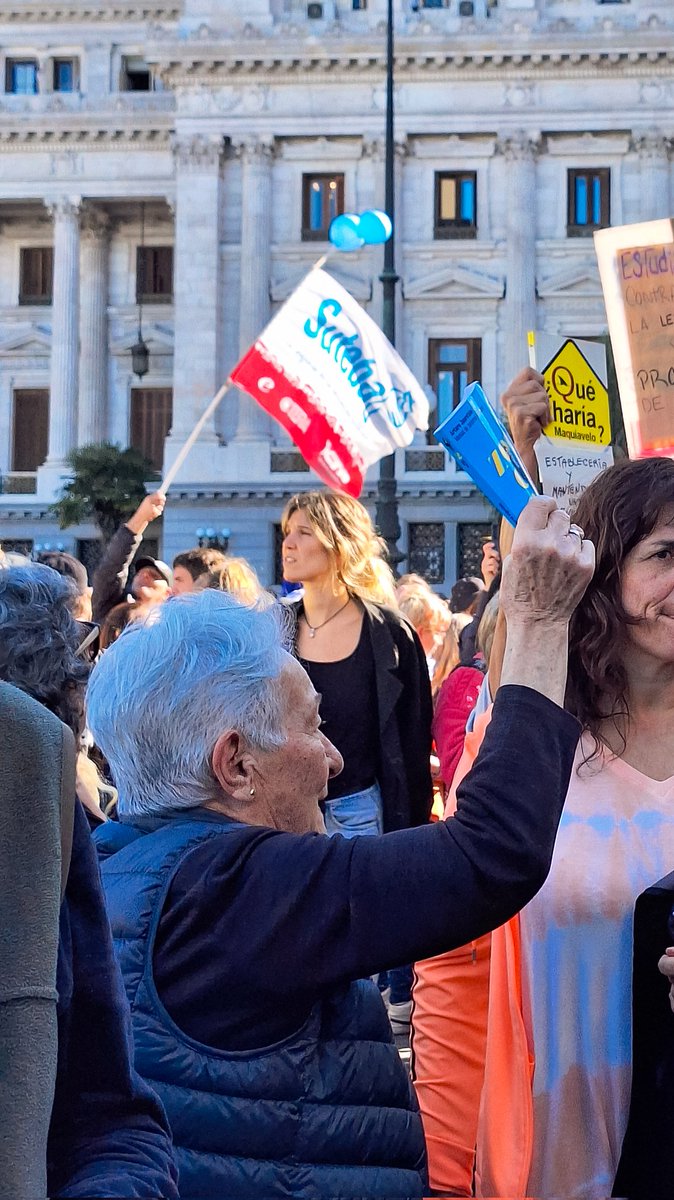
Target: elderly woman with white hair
[246, 936]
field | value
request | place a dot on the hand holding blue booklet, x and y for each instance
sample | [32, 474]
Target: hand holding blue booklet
[482, 446]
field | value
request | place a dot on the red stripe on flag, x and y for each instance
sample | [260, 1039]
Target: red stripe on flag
[296, 410]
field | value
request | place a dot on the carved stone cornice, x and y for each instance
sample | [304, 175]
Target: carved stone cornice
[63, 206]
[83, 13]
[642, 53]
[652, 145]
[253, 149]
[196, 151]
[519, 146]
[401, 146]
[373, 148]
[95, 224]
[13, 138]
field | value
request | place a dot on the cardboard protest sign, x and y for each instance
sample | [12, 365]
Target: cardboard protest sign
[575, 447]
[481, 446]
[636, 265]
[326, 372]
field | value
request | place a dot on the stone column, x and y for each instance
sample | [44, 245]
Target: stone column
[370, 174]
[256, 156]
[519, 151]
[652, 148]
[93, 405]
[196, 286]
[65, 330]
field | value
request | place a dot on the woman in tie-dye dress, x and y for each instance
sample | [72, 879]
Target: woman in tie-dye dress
[555, 1052]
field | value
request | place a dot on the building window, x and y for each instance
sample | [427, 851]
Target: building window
[322, 201]
[433, 3]
[469, 542]
[426, 550]
[30, 428]
[151, 417]
[589, 201]
[65, 75]
[453, 363]
[359, 5]
[36, 272]
[21, 76]
[154, 274]
[455, 204]
[136, 75]
[287, 461]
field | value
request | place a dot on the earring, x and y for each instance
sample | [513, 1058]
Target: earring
[252, 792]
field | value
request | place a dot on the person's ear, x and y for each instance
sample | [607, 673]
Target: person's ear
[232, 765]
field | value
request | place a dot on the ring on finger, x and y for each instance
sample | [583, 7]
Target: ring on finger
[576, 531]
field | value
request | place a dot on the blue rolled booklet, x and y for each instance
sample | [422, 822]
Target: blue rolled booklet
[483, 448]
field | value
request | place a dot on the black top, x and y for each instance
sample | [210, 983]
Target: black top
[349, 714]
[403, 718]
[260, 924]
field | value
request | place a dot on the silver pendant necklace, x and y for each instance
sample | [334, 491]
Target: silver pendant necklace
[313, 628]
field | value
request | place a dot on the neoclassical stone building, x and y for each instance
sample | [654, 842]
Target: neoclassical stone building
[188, 155]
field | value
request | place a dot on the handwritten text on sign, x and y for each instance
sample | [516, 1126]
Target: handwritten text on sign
[646, 275]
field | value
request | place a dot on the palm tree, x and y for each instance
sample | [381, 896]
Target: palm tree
[107, 486]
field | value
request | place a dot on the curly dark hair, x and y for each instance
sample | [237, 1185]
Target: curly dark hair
[619, 509]
[39, 638]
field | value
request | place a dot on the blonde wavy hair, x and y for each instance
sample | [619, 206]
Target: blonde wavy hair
[237, 577]
[344, 527]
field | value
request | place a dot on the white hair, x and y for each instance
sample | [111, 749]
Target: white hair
[161, 696]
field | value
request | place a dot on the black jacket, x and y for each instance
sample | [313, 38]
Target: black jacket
[112, 573]
[405, 713]
[644, 1171]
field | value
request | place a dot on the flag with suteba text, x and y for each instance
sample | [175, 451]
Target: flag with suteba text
[329, 376]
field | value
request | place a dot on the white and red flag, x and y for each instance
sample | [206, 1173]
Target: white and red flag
[327, 374]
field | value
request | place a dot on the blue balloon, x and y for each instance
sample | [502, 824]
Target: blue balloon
[344, 232]
[375, 227]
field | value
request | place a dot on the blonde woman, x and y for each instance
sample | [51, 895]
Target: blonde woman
[365, 661]
[235, 576]
[447, 660]
[429, 616]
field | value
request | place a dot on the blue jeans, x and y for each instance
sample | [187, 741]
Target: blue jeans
[354, 815]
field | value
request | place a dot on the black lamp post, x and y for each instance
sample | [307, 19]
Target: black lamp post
[387, 488]
[140, 355]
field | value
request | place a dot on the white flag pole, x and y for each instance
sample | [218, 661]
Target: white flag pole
[184, 451]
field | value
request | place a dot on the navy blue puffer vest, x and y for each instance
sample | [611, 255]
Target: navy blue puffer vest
[328, 1112]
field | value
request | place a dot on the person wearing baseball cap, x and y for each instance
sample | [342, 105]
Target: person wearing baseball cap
[150, 574]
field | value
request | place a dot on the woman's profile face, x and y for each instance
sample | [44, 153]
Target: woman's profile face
[304, 557]
[648, 590]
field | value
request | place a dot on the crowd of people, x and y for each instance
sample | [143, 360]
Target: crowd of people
[307, 823]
